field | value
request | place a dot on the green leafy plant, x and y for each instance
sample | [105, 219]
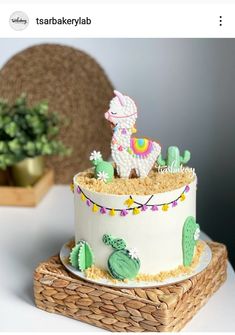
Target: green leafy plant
[28, 132]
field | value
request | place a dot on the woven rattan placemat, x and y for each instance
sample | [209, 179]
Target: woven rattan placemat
[166, 308]
[74, 85]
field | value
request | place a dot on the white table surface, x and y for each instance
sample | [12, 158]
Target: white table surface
[31, 235]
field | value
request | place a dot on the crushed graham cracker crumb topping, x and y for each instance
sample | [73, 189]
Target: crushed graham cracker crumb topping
[155, 182]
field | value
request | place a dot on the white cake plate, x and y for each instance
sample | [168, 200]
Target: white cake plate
[204, 261]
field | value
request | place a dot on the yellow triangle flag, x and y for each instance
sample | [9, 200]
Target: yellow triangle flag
[72, 187]
[136, 211]
[112, 212]
[183, 197]
[165, 207]
[95, 208]
[129, 202]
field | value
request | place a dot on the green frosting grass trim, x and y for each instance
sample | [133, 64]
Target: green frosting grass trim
[188, 240]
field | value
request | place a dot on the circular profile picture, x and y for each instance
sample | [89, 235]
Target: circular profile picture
[19, 20]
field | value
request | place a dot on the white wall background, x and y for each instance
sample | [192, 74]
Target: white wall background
[185, 90]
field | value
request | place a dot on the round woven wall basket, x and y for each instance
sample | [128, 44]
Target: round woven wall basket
[75, 86]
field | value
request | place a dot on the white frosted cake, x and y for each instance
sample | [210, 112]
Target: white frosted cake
[135, 217]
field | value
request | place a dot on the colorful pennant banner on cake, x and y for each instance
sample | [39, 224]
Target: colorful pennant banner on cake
[129, 204]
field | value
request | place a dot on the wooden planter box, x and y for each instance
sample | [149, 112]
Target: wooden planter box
[162, 309]
[26, 196]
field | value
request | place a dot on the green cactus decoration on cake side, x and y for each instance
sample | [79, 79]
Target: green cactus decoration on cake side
[116, 243]
[173, 159]
[104, 171]
[81, 256]
[191, 232]
[122, 263]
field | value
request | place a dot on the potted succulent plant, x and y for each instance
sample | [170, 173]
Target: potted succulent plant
[7, 157]
[27, 134]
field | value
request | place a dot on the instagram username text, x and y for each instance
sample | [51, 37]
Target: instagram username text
[64, 21]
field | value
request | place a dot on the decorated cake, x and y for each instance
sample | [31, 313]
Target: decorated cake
[135, 216]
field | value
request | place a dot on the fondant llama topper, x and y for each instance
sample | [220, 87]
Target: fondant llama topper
[129, 153]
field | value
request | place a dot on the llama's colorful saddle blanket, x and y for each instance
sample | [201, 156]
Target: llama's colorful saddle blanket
[141, 146]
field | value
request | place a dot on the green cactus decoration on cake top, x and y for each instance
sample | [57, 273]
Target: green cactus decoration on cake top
[191, 232]
[81, 256]
[173, 159]
[122, 263]
[103, 170]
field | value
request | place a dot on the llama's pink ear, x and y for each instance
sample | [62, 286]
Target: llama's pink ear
[120, 97]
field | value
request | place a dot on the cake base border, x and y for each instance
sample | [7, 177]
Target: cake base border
[202, 259]
[162, 309]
